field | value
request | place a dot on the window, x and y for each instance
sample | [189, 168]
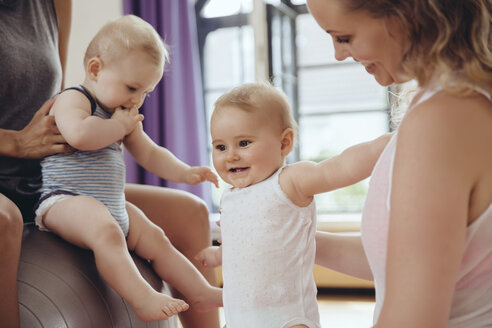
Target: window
[227, 53]
[337, 104]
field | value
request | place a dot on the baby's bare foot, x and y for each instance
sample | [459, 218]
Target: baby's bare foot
[157, 306]
[210, 299]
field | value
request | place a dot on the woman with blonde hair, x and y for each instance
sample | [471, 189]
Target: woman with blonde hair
[427, 222]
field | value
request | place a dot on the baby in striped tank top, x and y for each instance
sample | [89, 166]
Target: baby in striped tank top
[83, 192]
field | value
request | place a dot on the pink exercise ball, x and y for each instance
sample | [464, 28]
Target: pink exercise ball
[60, 287]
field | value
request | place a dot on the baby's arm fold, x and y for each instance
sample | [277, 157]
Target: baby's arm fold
[84, 131]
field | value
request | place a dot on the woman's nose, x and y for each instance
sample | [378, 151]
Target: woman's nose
[341, 52]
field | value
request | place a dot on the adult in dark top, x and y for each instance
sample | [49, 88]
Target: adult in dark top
[33, 54]
[33, 47]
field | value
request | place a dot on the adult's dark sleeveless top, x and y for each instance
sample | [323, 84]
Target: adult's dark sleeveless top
[30, 73]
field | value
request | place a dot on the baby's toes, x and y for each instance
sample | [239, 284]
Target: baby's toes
[175, 307]
[183, 306]
[169, 310]
[180, 306]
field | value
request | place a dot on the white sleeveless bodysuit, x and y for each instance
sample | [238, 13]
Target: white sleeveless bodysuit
[268, 249]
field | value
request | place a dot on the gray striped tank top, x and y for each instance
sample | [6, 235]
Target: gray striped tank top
[99, 174]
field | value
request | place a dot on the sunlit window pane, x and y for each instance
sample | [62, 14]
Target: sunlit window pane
[327, 136]
[229, 57]
[339, 88]
[314, 45]
[218, 8]
[321, 137]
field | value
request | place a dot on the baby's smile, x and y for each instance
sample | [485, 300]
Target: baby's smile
[238, 169]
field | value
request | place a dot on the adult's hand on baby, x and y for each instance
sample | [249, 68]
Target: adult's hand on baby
[40, 138]
[129, 118]
[210, 257]
[199, 174]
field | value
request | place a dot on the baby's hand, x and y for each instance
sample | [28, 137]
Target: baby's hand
[199, 174]
[129, 118]
[210, 257]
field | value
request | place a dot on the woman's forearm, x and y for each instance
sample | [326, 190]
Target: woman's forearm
[9, 145]
[342, 253]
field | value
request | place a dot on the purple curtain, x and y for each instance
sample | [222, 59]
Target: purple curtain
[174, 112]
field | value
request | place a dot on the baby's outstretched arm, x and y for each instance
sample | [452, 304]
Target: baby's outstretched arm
[198, 174]
[210, 257]
[162, 162]
[303, 180]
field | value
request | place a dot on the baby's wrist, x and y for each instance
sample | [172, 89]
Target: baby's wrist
[121, 127]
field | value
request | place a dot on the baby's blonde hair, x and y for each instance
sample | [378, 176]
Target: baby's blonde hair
[252, 97]
[124, 34]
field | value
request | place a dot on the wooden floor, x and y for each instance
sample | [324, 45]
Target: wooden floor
[346, 309]
[342, 308]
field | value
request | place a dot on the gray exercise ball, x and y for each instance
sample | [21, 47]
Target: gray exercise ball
[60, 287]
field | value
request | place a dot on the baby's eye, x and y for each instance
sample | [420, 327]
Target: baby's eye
[244, 143]
[131, 89]
[220, 147]
[342, 39]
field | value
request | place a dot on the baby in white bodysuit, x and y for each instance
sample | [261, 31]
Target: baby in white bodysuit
[268, 216]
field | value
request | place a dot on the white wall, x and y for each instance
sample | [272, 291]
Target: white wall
[87, 17]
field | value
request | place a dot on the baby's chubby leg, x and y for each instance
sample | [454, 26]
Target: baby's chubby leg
[87, 223]
[150, 242]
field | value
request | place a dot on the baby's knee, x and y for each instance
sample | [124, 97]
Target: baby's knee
[109, 234]
[158, 236]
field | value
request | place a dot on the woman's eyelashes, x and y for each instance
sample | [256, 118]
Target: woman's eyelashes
[342, 39]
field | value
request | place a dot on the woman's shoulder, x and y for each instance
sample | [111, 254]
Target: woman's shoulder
[451, 113]
[452, 127]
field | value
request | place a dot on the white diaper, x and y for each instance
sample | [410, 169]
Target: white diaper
[45, 206]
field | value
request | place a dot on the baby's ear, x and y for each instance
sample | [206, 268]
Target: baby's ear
[287, 141]
[94, 66]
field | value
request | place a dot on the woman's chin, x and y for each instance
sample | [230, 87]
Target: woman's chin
[384, 80]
